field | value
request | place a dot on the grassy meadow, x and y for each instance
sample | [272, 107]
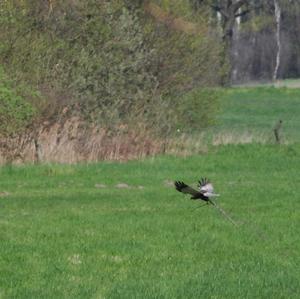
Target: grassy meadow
[120, 230]
[253, 112]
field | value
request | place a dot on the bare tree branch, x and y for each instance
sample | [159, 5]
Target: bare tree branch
[243, 13]
[236, 6]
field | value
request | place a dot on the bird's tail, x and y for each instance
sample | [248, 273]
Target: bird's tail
[214, 195]
[223, 212]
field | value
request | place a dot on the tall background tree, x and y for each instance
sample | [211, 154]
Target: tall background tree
[260, 38]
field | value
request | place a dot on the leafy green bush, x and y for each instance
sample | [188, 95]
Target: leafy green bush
[197, 109]
[109, 59]
[15, 112]
[115, 81]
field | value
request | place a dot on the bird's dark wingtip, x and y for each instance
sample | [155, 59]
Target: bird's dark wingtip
[179, 185]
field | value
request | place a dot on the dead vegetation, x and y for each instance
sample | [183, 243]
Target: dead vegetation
[74, 141]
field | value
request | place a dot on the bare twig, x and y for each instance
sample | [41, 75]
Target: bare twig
[38, 151]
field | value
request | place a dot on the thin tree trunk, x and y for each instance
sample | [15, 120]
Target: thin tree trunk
[235, 52]
[230, 12]
[278, 41]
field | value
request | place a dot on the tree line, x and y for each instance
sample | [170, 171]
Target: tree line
[116, 64]
[261, 38]
[145, 62]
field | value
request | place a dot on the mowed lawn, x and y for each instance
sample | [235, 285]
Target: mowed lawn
[73, 232]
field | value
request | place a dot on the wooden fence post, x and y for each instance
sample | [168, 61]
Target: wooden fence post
[276, 131]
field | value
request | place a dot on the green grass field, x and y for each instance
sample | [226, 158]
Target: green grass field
[69, 231]
[255, 111]
[63, 235]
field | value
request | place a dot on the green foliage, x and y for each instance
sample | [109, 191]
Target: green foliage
[115, 81]
[198, 109]
[177, 7]
[108, 58]
[15, 111]
[61, 237]
[258, 24]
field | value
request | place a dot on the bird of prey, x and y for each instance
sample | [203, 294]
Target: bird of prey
[206, 190]
[205, 193]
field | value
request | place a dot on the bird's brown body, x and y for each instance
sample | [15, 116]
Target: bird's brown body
[206, 191]
[182, 187]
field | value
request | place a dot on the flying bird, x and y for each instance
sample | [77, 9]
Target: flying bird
[205, 193]
[206, 190]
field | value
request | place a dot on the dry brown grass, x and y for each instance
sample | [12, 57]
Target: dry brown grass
[73, 141]
[239, 138]
[175, 23]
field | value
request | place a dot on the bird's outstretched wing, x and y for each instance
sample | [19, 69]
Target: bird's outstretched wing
[206, 190]
[205, 186]
[182, 187]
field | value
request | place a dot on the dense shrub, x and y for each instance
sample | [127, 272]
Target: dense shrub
[109, 60]
[198, 109]
[15, 112]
